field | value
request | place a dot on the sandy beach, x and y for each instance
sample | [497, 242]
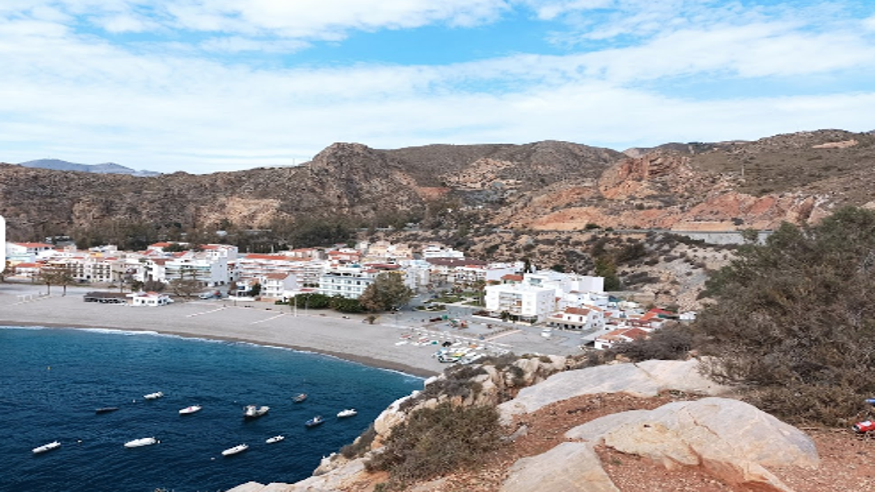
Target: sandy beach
[404, 343]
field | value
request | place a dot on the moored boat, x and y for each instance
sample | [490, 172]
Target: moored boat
[314, 421]
[274, 439]
[349, 412]
[236, 449]
[299, 397]
[145, 441]
[46, 447]
[106, 410]
[153, 396]
[190, 410]
[252, 411]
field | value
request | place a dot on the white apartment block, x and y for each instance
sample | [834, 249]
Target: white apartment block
[276, 285]
[529, 302]
[346, 281]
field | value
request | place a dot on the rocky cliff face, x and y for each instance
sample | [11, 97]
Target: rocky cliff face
[542, 186]
[624, 409]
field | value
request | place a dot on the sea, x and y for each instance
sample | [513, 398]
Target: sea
[53, 379]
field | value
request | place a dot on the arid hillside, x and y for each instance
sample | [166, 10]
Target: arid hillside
[556, 186]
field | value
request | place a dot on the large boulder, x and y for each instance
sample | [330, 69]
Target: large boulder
[568, 467]
[733, 440]
[644, 379]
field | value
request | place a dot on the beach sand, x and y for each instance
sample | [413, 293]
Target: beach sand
[385, 344]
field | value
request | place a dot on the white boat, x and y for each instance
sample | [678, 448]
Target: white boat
[251, 411]
[46, 447]
[274, 439]
[236, 449]
[317, 420]
[349, 412]
[146, 441]
[190, 410]
[153, 396]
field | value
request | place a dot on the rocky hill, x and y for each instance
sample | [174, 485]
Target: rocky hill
[541, 186]
[657, 425]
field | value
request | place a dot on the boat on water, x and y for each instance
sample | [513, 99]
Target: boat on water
[274, 439]
[46, 447]
[252, 411]
[153, 396]
[299, 397]
[236, 449]
[138, 443]
[106, 410]
[314, 421]
[349, 412]
[190, 410]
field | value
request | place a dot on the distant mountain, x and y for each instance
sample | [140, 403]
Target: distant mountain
[105, 168]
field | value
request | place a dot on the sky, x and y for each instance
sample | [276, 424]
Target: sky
[221, 85]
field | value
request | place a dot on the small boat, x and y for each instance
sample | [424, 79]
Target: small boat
[236, 449]
[314, 421]
[153, 396]
[274, 439]
[190, 410]
[46, 447]
[251, 411]
[299, 397]
[349, 412]
[137, 443]
[106, 410]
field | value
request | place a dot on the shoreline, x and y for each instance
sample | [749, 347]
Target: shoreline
[350, 357]
[403, 342]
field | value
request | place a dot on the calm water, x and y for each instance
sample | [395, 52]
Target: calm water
[52, 380]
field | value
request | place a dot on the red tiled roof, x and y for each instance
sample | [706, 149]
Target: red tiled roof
[510, 276]
[35, 245]
[575, 310]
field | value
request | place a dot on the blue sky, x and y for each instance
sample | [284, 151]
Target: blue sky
[216, 85]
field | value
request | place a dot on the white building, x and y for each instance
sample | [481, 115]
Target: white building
[526, 301]
[25, 252]
[346, 281]
[150, 299]
[440, 251]
[276, 285]
[575, 318]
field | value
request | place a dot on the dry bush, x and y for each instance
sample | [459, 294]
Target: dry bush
[436, 441]
[794, 321]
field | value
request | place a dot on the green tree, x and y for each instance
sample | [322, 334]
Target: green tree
[794, 321]
[387, 292]
[187, 284]
[60, 275]
[605, 267]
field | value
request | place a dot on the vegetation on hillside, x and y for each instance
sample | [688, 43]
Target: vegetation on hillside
[794, 320]
[435, 441]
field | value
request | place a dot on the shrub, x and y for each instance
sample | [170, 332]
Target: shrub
[361, 445]
[435, 441]
[672, 342]
[795, 319]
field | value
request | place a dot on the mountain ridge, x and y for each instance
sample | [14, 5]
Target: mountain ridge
[102, 168]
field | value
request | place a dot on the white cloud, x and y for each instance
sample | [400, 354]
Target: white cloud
[73, 95]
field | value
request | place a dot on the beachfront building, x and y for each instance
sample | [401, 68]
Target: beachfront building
[151, 299]
[307, 268]
[346, 281]
[207, 268]
[25, 252]
[275, 286]
[523, 301]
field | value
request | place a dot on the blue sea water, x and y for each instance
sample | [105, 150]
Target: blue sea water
[52, 380]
